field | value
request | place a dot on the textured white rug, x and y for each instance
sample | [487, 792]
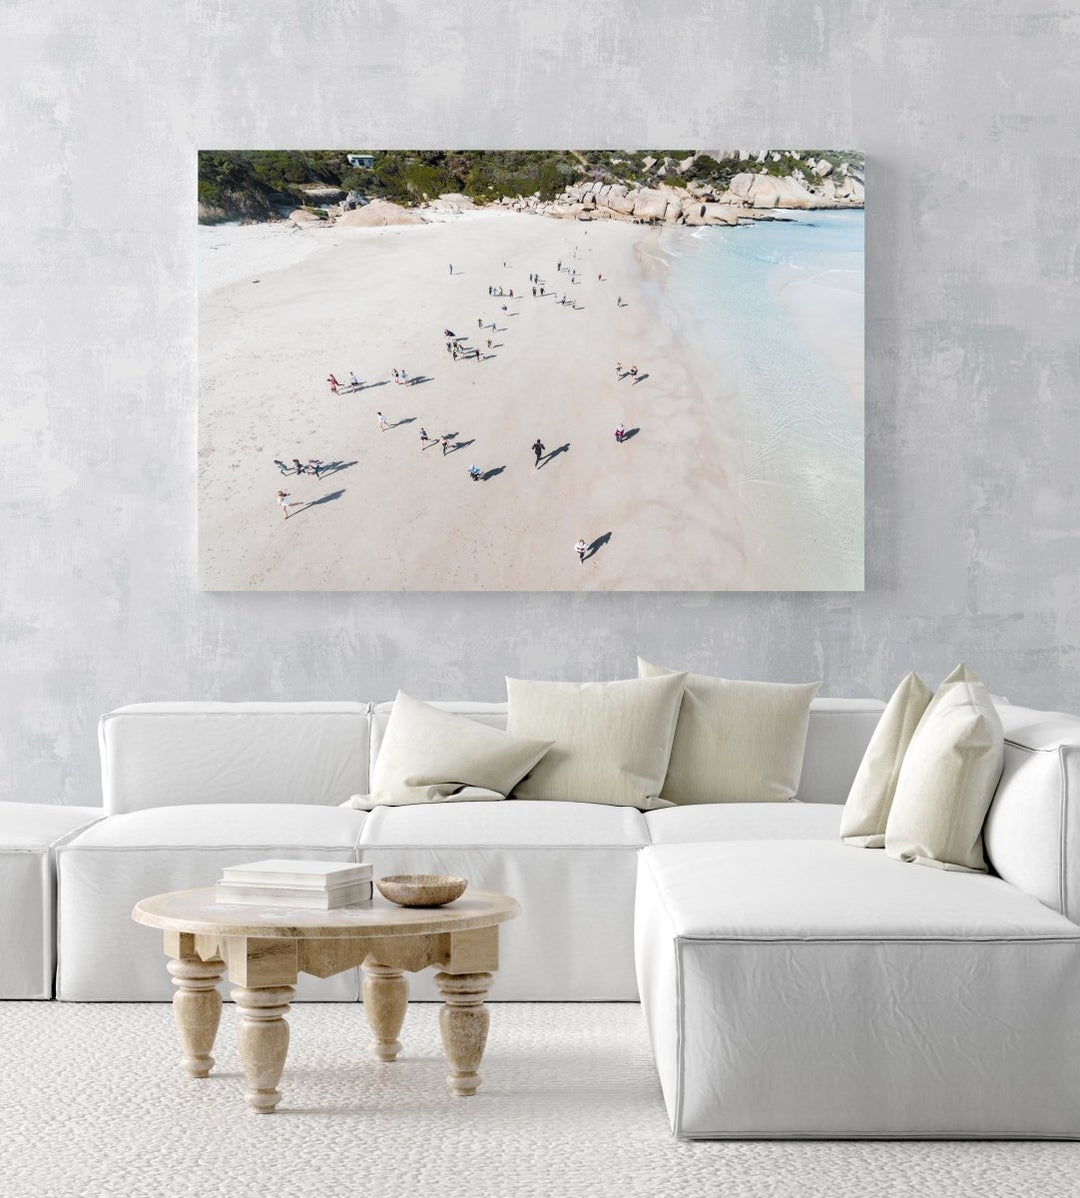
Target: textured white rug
[93, 1104]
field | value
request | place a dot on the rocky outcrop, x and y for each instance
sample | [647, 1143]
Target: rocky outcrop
[450, 201]
[380, 212]
[649, 205]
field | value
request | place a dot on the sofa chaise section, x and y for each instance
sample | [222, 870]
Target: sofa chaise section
[103, 872]
[809, 989]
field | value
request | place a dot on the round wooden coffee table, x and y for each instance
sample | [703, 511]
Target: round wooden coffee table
[264, 948]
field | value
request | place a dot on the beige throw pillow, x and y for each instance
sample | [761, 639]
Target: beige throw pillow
[432, 756]
[948, 778]
[612, 739]
[866, 811]
[736, 742]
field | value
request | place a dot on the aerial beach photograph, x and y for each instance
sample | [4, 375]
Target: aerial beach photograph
[526, 370]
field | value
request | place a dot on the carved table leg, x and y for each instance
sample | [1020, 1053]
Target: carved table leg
[463, 1022]
[197, 1010]
[386, 998]
[263, 1040]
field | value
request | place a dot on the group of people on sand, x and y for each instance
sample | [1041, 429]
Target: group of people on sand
[314, 466]
[335, 386]
[631, 372]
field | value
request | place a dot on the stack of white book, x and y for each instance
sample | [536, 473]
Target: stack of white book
[318, 885]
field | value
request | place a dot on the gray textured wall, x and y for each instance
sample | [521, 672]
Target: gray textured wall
[968, 112]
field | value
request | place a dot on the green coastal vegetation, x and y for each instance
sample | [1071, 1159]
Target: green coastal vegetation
[261, 184]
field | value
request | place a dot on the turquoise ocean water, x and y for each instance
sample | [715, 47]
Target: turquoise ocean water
[774, 313]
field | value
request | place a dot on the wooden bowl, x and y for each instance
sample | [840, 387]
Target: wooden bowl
[421, 890]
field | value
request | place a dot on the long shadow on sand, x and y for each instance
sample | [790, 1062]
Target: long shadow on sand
[334, 467]
[404, 420]
[491, 473]
[596, 546]
[630, 432]
[460, 445]
[640, 379]
[420, 378]
[553, 454]
[328, 498]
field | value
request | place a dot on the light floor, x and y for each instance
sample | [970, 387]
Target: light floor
[92, 1103]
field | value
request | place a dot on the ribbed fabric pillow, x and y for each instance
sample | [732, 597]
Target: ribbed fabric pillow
[736, 742]
[432, 756]
[612, 739]
[866, 811]
[948, 778]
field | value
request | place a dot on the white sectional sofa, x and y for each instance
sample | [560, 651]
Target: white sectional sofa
[793, 986]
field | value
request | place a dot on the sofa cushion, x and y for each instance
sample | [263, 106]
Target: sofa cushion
[819, 888]
[227, 825]
[802, 989]
[703, 822]
[612, 739]
[535, 823]
[736, 742]
[173, 754]
[866, 811]
[429, 755]
[102, 874]
[947, 779]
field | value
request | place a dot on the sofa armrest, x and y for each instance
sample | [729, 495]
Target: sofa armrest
[1032, 831]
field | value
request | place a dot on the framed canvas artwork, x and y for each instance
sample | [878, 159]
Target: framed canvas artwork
[525, 370]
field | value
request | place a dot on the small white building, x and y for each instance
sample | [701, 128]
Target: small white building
[363, 161]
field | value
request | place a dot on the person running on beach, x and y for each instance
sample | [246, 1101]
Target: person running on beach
[538, 448]
[444, 440]
[581, 549]
[618, 301]
[403, 378]
[282, 468]
[489, 343]
[618, 370]
[474, 473]
[296, 464]
[479, 322]
[382, 421]
[451, 268]
[314, 466]
[285, 503]
[559, 264]
[425, 440]
[353, 380]
[393, 375]
[534, 293]
[449, 346]
[620, 433]
[633, 373]
[334, 384]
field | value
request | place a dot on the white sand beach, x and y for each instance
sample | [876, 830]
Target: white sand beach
[280, 309]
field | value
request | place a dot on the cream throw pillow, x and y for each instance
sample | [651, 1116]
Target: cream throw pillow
[867, 808]
[432, 756]
[736, 742]
[612, 739]
[948, 778]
